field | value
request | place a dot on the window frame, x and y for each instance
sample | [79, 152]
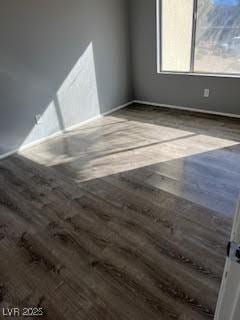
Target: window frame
[191, 72]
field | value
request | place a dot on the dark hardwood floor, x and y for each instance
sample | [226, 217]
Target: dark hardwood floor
[124, 218]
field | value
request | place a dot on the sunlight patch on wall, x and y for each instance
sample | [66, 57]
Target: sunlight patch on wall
[75, 101]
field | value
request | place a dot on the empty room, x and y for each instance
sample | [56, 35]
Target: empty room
[120, 159]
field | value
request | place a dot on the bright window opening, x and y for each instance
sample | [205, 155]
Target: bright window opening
[201, 36]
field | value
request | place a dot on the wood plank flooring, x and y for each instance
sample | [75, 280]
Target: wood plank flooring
[125, 218]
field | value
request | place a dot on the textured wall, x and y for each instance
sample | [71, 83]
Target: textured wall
[177, 90]
[67, 60]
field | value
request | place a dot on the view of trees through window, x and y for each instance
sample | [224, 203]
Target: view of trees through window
[215, 40]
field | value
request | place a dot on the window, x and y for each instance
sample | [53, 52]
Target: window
[199, 36]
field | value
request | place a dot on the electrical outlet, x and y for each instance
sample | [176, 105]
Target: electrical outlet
[206, 93]
[38, 119]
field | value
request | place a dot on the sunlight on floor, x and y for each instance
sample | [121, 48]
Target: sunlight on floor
[110, 146]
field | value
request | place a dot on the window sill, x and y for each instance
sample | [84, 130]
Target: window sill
[199, 74]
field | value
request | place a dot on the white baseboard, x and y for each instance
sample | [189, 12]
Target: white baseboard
[232, 115]
[7, 154]
[59, 133]
[56, 134]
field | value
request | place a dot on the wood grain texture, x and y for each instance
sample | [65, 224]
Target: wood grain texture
[125, 218]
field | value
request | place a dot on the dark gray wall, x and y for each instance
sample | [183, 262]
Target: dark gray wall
[180, 90]
[67, 60]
